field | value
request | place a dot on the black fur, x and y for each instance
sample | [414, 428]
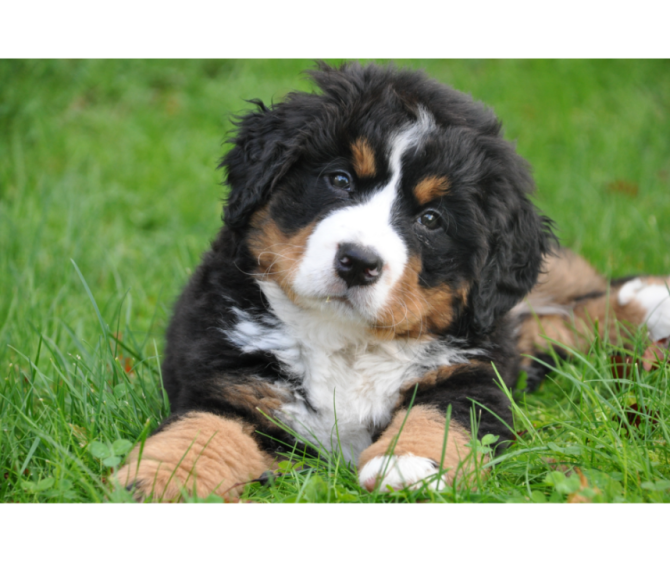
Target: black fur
[493, 238]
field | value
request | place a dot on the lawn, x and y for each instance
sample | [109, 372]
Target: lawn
[109, 193]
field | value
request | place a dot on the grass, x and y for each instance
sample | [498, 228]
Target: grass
[109, 193]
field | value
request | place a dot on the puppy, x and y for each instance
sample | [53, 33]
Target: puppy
[378, 243]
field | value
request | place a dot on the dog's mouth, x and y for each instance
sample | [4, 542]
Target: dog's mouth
[342, 299]
[356, 300]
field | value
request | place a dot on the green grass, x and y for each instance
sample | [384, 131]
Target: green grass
[109, 193]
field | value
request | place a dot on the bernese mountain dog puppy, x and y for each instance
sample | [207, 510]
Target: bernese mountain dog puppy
[367, 284]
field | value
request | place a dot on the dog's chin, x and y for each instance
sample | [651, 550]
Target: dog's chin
[353, 305]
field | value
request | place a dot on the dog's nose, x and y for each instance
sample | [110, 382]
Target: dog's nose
[357, 265]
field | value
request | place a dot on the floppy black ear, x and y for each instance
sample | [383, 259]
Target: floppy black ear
[264, 148]
[518, 238]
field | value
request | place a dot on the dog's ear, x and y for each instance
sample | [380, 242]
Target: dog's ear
[265, 146]
[518, 238]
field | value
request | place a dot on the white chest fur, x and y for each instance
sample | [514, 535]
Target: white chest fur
[357, 386]
[345, 374]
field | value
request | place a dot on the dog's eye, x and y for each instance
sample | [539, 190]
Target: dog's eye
[430, 219]
[340, 180]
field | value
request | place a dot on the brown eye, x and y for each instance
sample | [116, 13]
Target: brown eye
[340, 180]
[430, 219]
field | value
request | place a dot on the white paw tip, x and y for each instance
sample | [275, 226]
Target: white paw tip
[629, 290]
[397, 472]
[654, 298]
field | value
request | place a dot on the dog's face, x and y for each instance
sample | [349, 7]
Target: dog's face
[388, 199]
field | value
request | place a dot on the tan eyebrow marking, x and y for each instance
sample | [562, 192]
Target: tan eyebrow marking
[364, 158]
[431, 188]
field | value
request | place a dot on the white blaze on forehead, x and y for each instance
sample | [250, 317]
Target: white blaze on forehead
[368, 224]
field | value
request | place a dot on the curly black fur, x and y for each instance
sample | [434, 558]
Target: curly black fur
[493, 238]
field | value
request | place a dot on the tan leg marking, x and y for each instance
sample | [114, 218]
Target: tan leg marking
[557, 315]
[431, 378]
[431, 188]
[200, 453]
[436, 376]
[576, 329]
[607, 311]
[363, 158]
[565, 277]
[533, 330]
[253, 396]
[423, 436]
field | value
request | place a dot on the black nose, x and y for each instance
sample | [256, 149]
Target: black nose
[357, 265]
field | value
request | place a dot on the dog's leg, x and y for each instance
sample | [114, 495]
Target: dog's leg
[419, 448]
[197, 453]
[571, 299]
[575, 326]
[412, 457]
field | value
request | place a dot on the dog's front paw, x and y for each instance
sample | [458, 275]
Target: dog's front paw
[195, 454]
[151, 481]
[653, 296]
[401, 471]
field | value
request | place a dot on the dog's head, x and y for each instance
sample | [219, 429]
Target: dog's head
[389, 197]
